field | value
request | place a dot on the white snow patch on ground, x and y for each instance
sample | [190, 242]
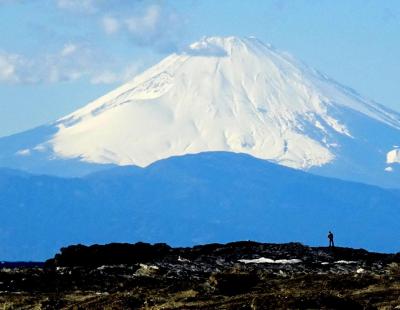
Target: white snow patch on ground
[263, 260]
[346, 262]
[183, 260]
[148, 267]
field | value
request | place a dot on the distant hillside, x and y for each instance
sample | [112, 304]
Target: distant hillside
[210, 197]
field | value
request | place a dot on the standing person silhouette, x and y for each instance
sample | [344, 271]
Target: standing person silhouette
[330, 237]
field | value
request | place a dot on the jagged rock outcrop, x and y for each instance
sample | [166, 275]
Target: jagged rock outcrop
[238, 275]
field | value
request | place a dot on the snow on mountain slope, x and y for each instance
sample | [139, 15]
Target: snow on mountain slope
[230, 94]
[223, 94]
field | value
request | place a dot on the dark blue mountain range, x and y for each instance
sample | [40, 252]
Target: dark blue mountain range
[208, 197]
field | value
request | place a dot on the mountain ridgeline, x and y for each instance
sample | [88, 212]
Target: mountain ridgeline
[193, 199]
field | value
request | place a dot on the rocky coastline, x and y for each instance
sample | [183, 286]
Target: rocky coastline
[238, 275]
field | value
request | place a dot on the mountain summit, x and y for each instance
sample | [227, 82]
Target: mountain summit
[228, 94]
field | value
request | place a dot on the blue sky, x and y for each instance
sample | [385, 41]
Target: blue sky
[56, 55]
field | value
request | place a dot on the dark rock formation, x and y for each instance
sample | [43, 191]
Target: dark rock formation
[110, 254]
[239, 275]
[124, 253]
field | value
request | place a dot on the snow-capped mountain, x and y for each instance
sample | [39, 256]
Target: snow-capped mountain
[226, 94]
